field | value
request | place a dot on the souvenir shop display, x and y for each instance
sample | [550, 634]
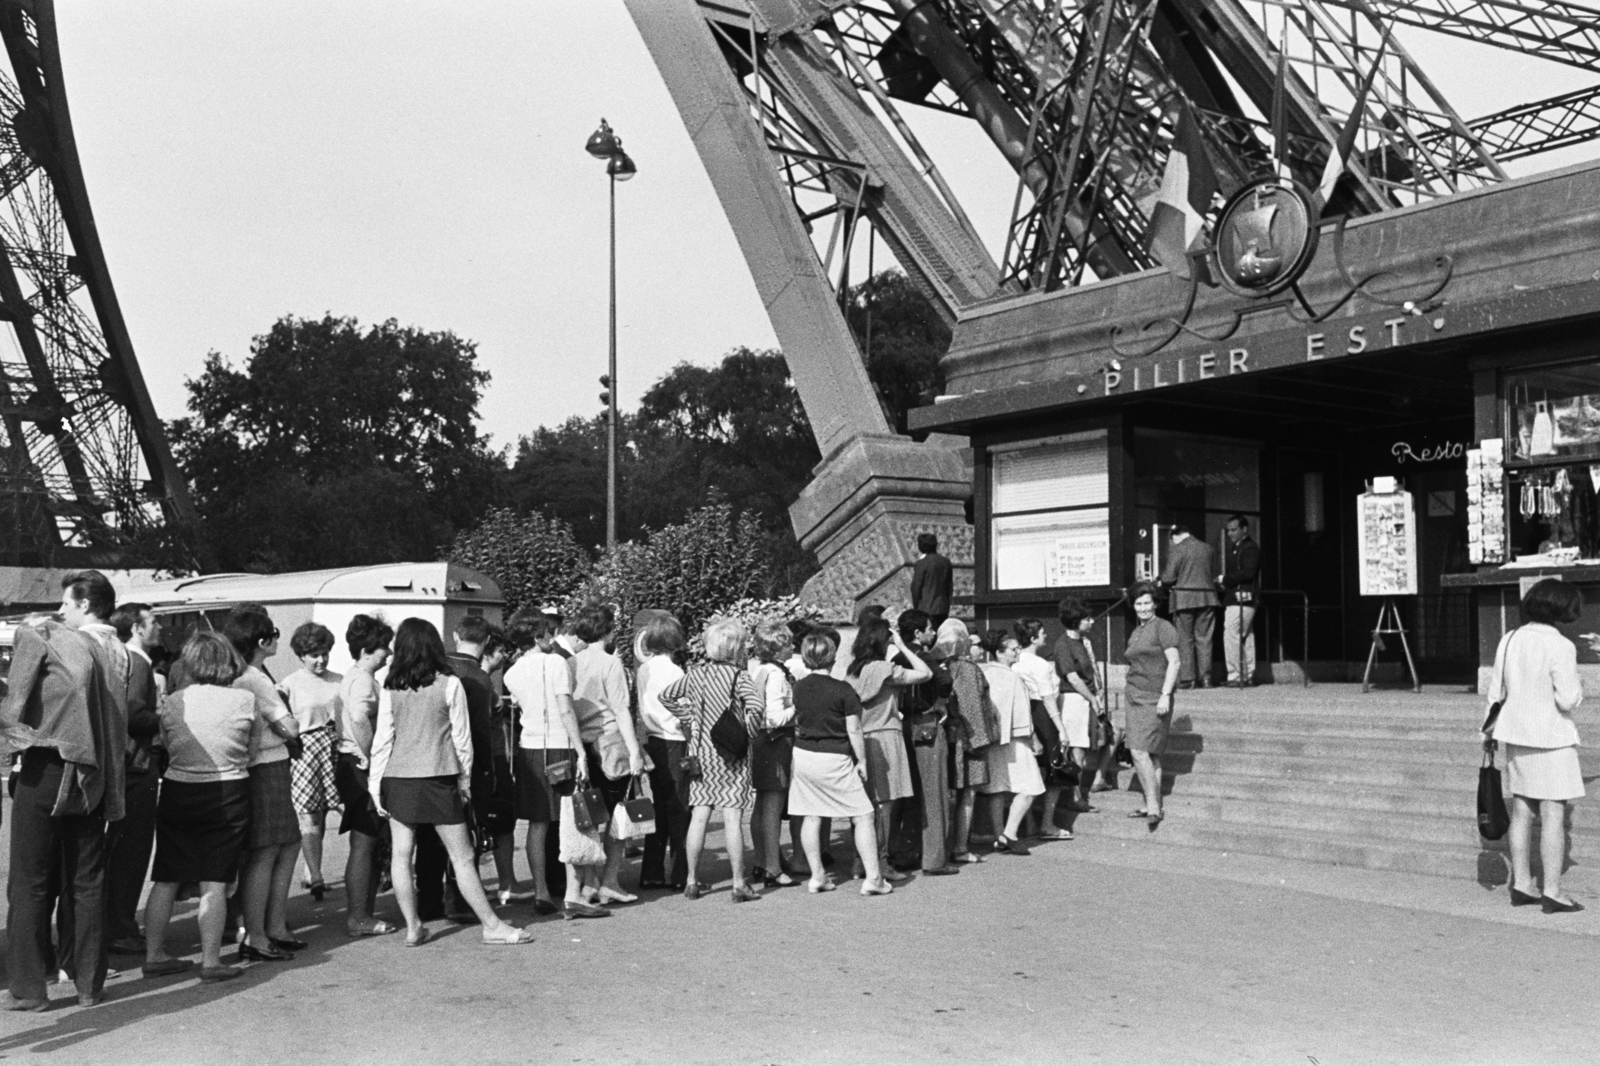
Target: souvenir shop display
[1486, 504]
[1387, 540]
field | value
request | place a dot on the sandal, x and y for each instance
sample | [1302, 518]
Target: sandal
[966, 857]
[511, 936]
[418, 939]
[880, 887]
[820, 886]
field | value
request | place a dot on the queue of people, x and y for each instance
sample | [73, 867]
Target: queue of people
[431, 759]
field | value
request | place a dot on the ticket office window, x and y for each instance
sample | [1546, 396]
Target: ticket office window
[1552, 441]
[1050, 516]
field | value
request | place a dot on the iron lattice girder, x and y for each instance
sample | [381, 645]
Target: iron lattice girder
[1541, 126]
[1563, 32]
[81, 432]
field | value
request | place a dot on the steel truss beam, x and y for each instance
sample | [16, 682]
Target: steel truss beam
[1550, 29]
[83, 442]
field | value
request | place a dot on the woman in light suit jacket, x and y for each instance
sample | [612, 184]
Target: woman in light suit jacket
[1536, 673]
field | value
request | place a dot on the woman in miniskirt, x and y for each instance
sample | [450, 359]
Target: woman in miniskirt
[422, 774]
[1536, 674]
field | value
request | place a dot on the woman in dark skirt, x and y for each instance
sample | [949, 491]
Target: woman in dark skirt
[274, 842]
[771, 751]
[203, 814]
[422, 774]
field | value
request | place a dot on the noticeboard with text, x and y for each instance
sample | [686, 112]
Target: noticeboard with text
[1386, 538]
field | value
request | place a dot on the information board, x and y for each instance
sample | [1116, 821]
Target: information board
[1082, 559]
[1386, 536]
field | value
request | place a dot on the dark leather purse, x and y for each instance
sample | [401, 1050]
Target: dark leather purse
[1493, 820]
[589, 811]
[560, 772]
[924, 729]
[728, 733]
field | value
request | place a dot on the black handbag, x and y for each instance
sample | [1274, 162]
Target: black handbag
[589, 811]
[925, 729]
[1493, 821]
[728, 733]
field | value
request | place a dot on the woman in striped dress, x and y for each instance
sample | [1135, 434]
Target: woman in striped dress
[698, 699]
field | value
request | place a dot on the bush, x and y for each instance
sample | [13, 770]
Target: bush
[753, 612]
[695, 569]
[535, 560]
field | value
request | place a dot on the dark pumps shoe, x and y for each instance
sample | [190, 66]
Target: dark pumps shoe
[744, 894]
[691, 890]
[318, 889]
[1009, 846]
[287, 943]
[1524, 899]
[1555, 906]
[269, 954]
[571, 911]
[544, 906]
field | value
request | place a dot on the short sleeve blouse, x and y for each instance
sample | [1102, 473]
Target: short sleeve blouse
[265, 745]
[1147, 659]
[536, 681]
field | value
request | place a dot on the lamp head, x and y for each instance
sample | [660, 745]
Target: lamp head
[621, 166]
[603, 144]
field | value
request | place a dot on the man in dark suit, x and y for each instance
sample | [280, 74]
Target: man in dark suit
[1191, 574]
[931, 580]
[130, 841]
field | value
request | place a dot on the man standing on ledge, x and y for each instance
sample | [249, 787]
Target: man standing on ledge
[1189, 573]
[931, 580]
[1240, 580]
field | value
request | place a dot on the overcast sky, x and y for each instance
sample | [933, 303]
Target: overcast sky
[424, 161]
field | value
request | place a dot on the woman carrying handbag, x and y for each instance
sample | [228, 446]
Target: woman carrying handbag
[1536, 671]
[700, 699]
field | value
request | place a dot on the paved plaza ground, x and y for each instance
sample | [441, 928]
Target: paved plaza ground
[1093, 950]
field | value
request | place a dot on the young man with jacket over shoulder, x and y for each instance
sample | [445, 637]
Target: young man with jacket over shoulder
[66, 711]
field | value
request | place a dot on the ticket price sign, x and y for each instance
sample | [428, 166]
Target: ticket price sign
[1386, 541]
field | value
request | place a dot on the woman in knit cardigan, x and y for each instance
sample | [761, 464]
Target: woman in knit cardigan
[422, 773]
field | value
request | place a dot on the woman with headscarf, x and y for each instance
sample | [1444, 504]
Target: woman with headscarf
[972, 729]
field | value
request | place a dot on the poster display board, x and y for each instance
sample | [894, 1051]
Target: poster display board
[1486, 502]
[1386, 538]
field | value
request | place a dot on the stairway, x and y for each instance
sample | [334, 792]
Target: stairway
[1385, 780]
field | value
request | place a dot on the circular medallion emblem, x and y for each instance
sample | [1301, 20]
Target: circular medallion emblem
[1266, 237]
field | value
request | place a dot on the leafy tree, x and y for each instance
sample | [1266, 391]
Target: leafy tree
[336, 445]
[903, 339]
[535, 560]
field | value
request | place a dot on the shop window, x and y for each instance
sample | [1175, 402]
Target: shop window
[1050, 524]
[1553, 413]
[1554, 512]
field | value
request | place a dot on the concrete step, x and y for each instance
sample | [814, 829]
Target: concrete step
[1476, 859]
[1457, 828]
[1466, 750]
[1358, 727]
[1426, 802]
[1447, 776]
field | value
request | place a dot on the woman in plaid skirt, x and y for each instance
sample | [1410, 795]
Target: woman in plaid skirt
[313, 695]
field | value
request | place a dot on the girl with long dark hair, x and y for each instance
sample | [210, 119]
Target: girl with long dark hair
[877, 681]
[422, 773]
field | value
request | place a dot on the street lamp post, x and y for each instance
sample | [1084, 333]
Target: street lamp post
[604, 144]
